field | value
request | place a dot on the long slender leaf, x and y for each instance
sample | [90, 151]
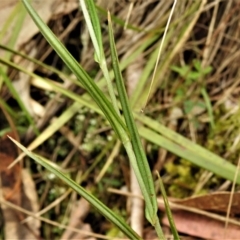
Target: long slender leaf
[169, 140]
[104, 210]
[93, 25]
[204, 159]
[81, 74]
[142, 163]
[168, 210]
[57, 88]
[100, 83]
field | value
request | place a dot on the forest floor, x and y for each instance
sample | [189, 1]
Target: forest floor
[194, 93]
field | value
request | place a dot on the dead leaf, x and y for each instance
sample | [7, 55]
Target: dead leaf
[217, 202]
[47, 9]
[10, 178]
[201, 226]
[30, 202]
[11, 190]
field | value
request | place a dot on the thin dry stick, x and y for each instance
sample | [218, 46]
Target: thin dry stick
[231, 197]
[50, 206]
[137, 205]
[113, 154]
[176, 206]
[128, 15]
[159, 53]
[206, 51]
[17, 208]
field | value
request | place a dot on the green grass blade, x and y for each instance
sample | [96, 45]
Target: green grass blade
[86, 100]
[104, 210]
[101, 83]
[202, 158]
[169, 140]
[195, 153]
[93, 25]
[168, 210]
[142, 163]
[61, 74]
[87, 82]
[91, 18]
[95, 21]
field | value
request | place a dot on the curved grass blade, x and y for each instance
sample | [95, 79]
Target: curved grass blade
[104, 210]
[194, 153]
[191, 152]
[87, 82]
[55, 87]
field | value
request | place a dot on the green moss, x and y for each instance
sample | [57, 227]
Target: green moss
[183, 180]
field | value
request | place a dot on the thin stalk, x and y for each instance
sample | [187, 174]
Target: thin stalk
[93, 25]
[141, 169]
[168, 209]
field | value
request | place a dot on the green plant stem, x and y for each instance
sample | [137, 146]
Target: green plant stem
[138, 157]
[168, 209]
[105, 71]
[159, 230]
[93, 24]
[150, 213]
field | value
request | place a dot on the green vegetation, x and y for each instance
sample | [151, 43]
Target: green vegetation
[80, 141]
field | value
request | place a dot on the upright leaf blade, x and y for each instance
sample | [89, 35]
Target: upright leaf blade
[93, 25]
[168, 210]
[91, 18]
[142, 163]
